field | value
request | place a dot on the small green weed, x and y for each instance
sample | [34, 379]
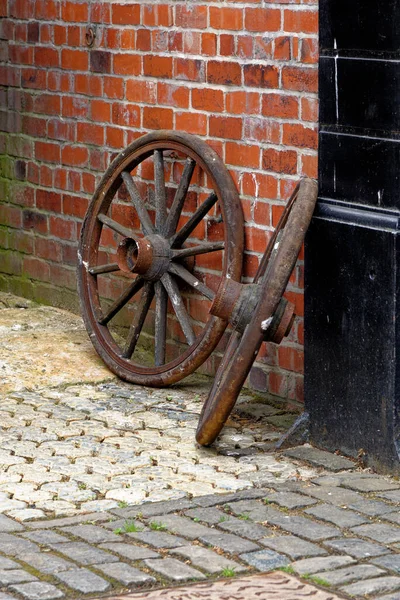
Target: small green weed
[223, 518]
[122, 504]
[157, 526]
[316, 580]
[196, 520]
[128, 527]
[227, 572]
[288, 569]
[244, 517]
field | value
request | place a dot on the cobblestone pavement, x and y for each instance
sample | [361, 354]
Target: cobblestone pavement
[103, 489]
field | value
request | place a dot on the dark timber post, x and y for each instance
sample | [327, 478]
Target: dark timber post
[352, 295]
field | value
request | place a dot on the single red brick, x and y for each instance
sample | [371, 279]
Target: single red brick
[143, 40]
[115, 137]
[89, 133]
[75, 156]
[297, 135]
[127, 64]
[11, 216]
[48, 249]
[126, 115]
[21, 241]
[191, 122]
[22, 9]
[261, 76]
[191, 15]
[75, 11]
[58, 81]
[224, 73]
[90, 85]
[75, 107]
[141, 91]
[100, 13]
[74, 206]
[278, 105]
[309, 165]
[245, 156]
[113, 87]
[100, 111]
[157, 118]
[157, 66]
[100, 61]
[126, 14]
[149, 15]
[245, 46]
[243, 102]
[20, 54]
[112, 38]
[34, 220]
[47, 200]
[47, 151]
[192, 42]
[173, 95]
[46, 57]
[278, 384]
[261, 130]
[309, 109]
[282, 48]
[62, 228]
[210, 100]
[302, 79]
[262, 19]
[208, 44]
[226, 45]
[229, 128]
[36, 269]
[46, 176]
[291, 359]
[189, 70]
[75, 60]
[164, 15]
[61, 130]
[309, 50]
[280, 161]
[226, 18]
[128, 39]
[159, 41]
[302, 21]
[263, 48]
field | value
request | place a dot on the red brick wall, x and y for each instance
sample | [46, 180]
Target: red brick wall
[242, 75]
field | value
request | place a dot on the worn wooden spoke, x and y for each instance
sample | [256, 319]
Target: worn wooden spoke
[138, 321]
[134, 287]
[160, 334]
[195, 283]
[179, 199]
[178, 239]
[160, 191]
[144, 217]
[195, 250]
[124, 231]
[103, 269]
[177, 304]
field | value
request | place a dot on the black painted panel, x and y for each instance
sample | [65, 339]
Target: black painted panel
[360, 25]
[359, 170]
[350, 349]
[361, 94]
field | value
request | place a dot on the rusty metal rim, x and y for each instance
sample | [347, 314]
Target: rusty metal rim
[242, 350]
[230, 206]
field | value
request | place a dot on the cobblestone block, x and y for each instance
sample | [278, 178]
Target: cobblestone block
[83, 580]
[47, 563]
[67, 521]
[304, 527]
[206, 559]
[13, 546]
[130, 551]
[83, 553]
[313, 565]
[153, 509]
[6, 596]
[338, 516]
[37, 590]
[125, 574]
[320, 458]
[183, 526]
[15, 576]
[290, 500]
[173, 569]
[245, 528]
[8, 525]
[386, 534]
[393, 496]
[45, 537]
[390, 561]
[158, 539]
[121, 524]
[26, 514]
[369, 484]
[393, 517]
[256, 511]
[211, 515]
[357, 548]
[333, 495]
[350, 574]
[293, 546]
[372, 586]
[228, 542]
[265, 560]
[6, 563]
[372, 508]
[214, 499]
[91, 534]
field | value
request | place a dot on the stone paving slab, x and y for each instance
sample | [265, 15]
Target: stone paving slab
[103, 489]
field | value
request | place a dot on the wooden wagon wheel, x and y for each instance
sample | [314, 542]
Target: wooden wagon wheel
[269, 318]
[158, 203]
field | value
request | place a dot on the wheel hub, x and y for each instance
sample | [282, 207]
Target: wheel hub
[149, 257]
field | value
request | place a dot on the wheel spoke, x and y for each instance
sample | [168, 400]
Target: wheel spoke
[180, 195]
[181, 313]
[144, 217]
[122, 300]
[103, 269]
[160, 192]
[195, 283]
[195, 250]
[160, 334]
[124, 231]
[178, 239]
[140, 315]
